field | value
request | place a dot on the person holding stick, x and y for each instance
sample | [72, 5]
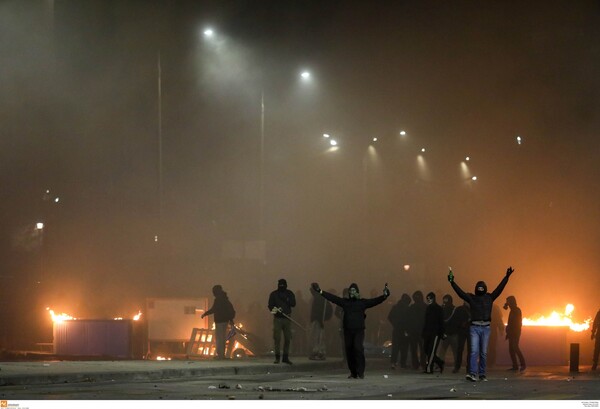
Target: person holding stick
[281, 302]
[354, 324]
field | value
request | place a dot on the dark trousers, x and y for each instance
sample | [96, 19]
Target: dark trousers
[596, 351]
[417, 356]
[431, 343]
[514, 351]
[399, 345]
[282, 325]
[355, 351]
[463, 338]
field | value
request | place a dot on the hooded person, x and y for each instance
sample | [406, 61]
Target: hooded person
[481, 318]
[416, 318]
[433, 333]
[596, 338]
[398, 317]
[354, 324]
[513, 334]
[451, 327]
[224, 313]
[281, 302]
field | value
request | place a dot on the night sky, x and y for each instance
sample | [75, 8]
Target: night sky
[79, 116]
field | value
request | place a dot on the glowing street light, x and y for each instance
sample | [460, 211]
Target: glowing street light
[519, 140]
[305, 75]
[422, 149]
[325, 135]
[402, 133]
[468, 158]
[39, 226]
[374, 139]
[333, 142]
[209, 32]
[474, 178]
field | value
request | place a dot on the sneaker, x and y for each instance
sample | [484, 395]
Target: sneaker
[471, 377]
[482, 378]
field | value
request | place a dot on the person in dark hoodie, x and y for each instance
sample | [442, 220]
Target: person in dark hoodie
[451, 325]
[433, 333]
[415, 332]
[398, 317]
[320, 311]
[224, 313]
[513, 333]
[481, 317]
[281, 302]
[596, 336]
[354, 324]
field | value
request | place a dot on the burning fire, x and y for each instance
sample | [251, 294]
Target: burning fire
[59, 317]
[559, 320]
[66, 317]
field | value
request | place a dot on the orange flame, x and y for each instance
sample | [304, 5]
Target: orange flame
[59, 317]
[559, 320]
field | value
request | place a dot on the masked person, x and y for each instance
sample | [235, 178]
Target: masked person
[433, 333]
[513, 333]
[224, 313]
[416, 313]
[481, 317]
[320, 311]
[398, 317]
[354, 324]
[596, 336]
[451, 326]
[281, 302]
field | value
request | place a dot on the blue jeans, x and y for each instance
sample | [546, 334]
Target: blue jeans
[480, 337]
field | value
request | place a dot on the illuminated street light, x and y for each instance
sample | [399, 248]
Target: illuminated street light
[402, 133]
[468, 158]
[422, 149]
[406, 267]
[56, 199]
[374, 139]
[519, 140]
[39, 226]
[474, 178]
[333, 142]
[305, 75]
[209, 32]
[325, 135]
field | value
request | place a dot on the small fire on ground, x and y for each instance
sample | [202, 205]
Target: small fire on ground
[556, 319]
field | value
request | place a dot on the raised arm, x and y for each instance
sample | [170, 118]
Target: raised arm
[496, 293]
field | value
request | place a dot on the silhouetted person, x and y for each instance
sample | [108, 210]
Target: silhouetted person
[463, 317]
[281, 302]
[596, 336]
[451, 325]
[415, 333]
[354, 324]
[224, 313]
[513, 334]
[302, 316]
[398, 317]
[320, 311]
[339, 313]
[496, 331]
[433, 333]
[481, 318]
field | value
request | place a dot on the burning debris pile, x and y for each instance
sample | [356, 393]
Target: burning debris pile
[556, 319]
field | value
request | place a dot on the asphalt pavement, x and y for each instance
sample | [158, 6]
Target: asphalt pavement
[381, 382]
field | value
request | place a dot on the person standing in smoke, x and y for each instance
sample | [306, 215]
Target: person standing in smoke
[398, 317]
[415, 339]
[513, 333]
[354, 324]
[433, 333]
[451, 329]
[596, 336]
[224, 314]
[463, 318]
[320, 311]
[281, 302]
[481, 317]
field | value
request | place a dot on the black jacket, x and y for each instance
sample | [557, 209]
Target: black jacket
[354, 309]
[222, 308]
[320, 309]
[284, 299]
[434, 321]
[515, 321]
[481, 305]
